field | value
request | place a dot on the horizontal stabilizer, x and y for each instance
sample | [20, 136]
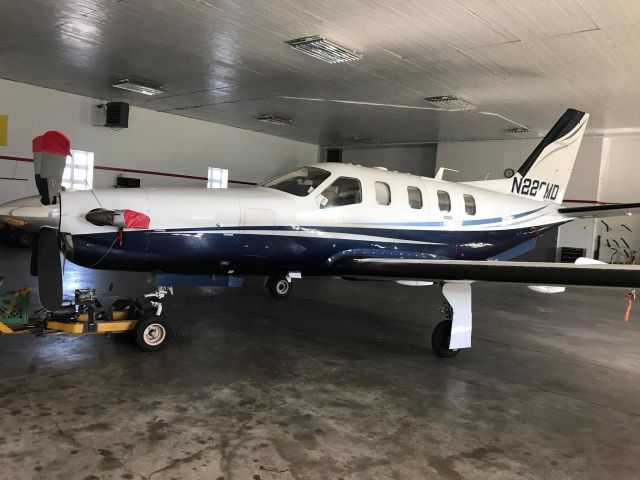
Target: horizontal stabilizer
[601, 211]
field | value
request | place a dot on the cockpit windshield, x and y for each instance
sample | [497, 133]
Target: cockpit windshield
[300, 182]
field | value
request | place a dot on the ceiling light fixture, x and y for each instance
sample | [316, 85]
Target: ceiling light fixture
[361, 139]
[127, 84]
[275, 120]
[323, 49]
[518, 131]
[451, 103]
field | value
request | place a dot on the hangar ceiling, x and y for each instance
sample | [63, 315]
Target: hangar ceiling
[226, 61]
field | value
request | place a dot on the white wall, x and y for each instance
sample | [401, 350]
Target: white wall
[416, 160]
[154, 141]
[482, 159]
[620, 175]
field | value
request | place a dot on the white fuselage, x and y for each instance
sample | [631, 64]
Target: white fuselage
[261, 230]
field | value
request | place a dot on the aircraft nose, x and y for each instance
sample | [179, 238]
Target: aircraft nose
[29, 213]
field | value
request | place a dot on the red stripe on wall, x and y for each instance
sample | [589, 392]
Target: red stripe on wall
[148, 172]
[133, 170]
[17, 159]
[239, 182]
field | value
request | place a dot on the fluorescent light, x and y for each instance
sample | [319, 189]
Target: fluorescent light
[362, 139]
[323, 49]
[518, 131]
[451, 103]
[275, 120]
[127, 84]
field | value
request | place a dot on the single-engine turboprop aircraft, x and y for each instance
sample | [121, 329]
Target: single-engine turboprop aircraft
[326, 219]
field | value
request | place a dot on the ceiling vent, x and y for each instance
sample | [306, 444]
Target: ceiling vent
[451, 103]
[323, 49]
[131, 86]
[518, 131]
[275, 120]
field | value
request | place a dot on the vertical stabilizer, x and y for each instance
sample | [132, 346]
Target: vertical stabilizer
[545, 174]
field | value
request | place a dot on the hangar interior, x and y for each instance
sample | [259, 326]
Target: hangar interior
[337, 380]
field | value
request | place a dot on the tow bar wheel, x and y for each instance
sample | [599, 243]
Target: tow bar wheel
[152, 333]
[279, 286]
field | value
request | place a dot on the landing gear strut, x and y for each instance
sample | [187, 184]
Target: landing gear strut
[454, 332]
[279, 286]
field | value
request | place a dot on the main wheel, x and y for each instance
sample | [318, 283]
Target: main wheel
[21, 238]
[5, 236]
[279, 287]
[440, 339]
[152, 333]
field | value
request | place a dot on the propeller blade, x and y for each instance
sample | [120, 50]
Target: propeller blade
[50, 270]
[33, 266]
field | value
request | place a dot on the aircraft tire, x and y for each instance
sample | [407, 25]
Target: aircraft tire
[152, 333]
[440, 340]
[21, 238]
[279, 287]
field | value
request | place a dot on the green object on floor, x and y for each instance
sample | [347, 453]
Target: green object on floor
[14, 307]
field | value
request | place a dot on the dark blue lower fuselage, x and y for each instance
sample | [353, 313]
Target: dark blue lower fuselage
[212, 251]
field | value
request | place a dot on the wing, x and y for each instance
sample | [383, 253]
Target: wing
[532, 273]
[601, 211]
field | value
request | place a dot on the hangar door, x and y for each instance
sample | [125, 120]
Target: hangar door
[257, 235]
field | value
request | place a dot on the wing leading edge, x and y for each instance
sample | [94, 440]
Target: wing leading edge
[532, 273]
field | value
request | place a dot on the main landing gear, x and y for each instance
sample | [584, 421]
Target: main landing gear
[441, 336]
[454, 332]
[279, 286]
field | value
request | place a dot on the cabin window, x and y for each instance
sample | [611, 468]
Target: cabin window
[78, 172]
[444, 201]
[343, 191]
[415, 197]
[383, 193]
[469, 205]
[300, 182]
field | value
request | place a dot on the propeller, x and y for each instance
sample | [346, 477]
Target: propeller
[41, 215]
[50, 153]
[49, 269]
[33, 266]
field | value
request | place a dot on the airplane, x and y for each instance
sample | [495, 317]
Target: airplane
[328, 219]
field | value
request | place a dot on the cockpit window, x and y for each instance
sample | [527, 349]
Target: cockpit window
[300, 182]
[343, 191]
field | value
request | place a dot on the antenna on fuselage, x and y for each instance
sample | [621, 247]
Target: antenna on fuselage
[441, 171]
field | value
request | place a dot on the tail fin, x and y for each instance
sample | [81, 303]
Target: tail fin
[545, 173]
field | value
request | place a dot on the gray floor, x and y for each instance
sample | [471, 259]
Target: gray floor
[335, 382]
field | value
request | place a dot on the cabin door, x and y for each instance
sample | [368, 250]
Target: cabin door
[257, 236]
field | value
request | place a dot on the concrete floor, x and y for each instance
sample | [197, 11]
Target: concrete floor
[335, 382]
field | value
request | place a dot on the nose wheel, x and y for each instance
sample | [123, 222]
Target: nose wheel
[279, 287]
